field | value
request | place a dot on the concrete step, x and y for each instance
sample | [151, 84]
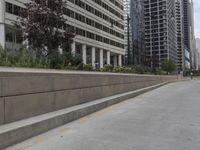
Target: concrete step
[19, 131]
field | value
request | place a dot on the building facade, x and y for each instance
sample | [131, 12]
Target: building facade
[160, 31]
[99, 34]
[197, 60]
[179, 27]
[193, 40]
[198, 52]
[188, 30]
[187, 57]
[134, 32]
[128, 32]
[137, 31]
[10, 37]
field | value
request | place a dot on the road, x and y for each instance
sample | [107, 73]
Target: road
[167, 118]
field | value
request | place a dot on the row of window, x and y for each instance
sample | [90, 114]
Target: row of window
[96, 12]
[96, 37]
[12, 36]
[105, 6]
[16, 36]
[91, 22]
[99, 2]
[117, 4]
[13, 9]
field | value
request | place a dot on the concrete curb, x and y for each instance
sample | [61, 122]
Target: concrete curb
[19, 131]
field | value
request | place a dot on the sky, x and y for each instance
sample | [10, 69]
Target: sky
[197, 17]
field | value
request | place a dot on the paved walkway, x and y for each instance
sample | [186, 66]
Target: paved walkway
[167, 118]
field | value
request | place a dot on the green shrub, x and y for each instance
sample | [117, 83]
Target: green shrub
[122, 69]
[21, 58]
[87, 67]
[26, 58]
[160, 72]
[168, 65]
[107, 68]
[188, 72]
[141, 69]
[196, 73]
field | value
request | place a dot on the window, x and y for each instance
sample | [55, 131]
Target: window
[9, 8]
[10, 35]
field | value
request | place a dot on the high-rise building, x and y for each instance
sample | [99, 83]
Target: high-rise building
[179, 27]
[197, 60]
[134, 32]
[186, 22]
[160, 31]
[99, 31]
[188, 29]
[137, 31]
[193, 41]
[198, 53]
[128, 32]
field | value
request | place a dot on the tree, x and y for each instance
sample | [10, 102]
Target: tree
[168, 65]
[44, 27]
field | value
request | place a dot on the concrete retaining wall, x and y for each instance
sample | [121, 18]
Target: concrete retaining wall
[29, 93]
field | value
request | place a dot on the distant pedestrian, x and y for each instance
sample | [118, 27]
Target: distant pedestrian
[191, 75]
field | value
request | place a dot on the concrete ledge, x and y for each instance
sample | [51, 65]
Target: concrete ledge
[16, 132]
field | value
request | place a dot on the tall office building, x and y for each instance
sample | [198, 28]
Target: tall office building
[128, 32]
[99, 33]
[179, 27]
[197, 56]
[188, 29]
[134, 31]
[160, 31]
[137, 31]
[198, 52]
[186, 22]
[193, 40]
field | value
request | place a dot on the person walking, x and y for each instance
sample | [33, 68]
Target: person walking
[191, 75]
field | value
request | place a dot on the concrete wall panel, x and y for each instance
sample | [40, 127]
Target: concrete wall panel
[24, 106]
[25, 85]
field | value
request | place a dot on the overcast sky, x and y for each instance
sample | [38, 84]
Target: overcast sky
[197, 17]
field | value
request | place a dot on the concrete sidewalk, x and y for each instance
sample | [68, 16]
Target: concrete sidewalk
[167, 118]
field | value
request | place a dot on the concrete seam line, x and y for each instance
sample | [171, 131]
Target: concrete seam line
[1, 85]
[4, 110]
